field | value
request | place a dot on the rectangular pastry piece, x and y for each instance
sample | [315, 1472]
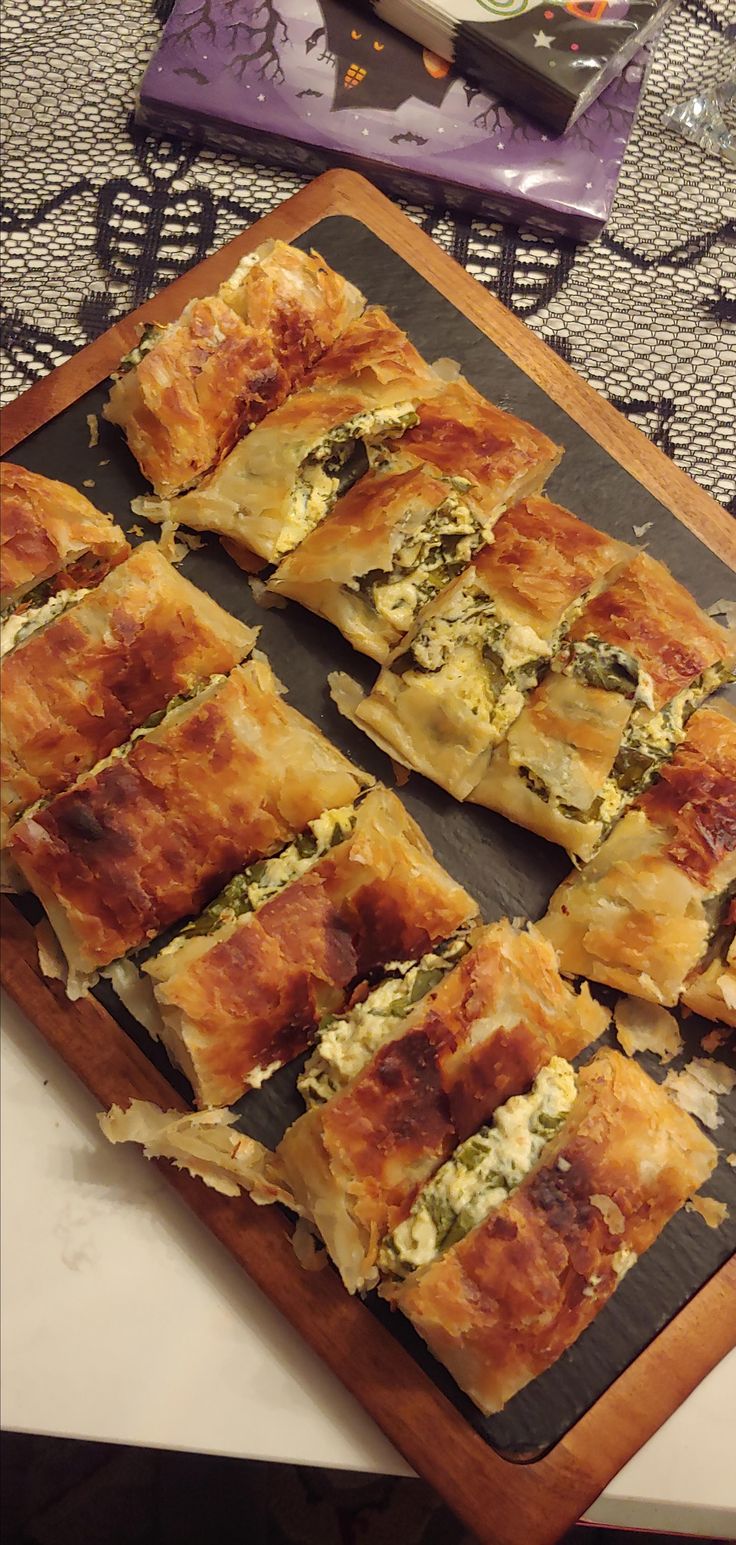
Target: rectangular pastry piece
[377, 1012]
[501, 1304]
[637, 660]
[79, 686]
[711, 988]
[463, 673]
[640, 915]
[151, 834]
[282, 479]
[240, 991]
[52, 541]
[187, 392]
[390, 544]
[355, 1163]
[503, 458]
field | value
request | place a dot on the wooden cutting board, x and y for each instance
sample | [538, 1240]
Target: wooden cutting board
[499, 1500]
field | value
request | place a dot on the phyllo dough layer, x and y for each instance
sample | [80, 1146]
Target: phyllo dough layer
[241, 994]
[395, 539]
[187, 392]
[711, 989]
[51, 537]
[80, 685]
[463, 673]
[637, 660]
[149, 837]
[504, 458]
[282, 479]
[506, 1301]
[641, 913]
[356, 1163]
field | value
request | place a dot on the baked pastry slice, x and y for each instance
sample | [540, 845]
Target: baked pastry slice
[504, 459]
[637, 660]
[240, 991]
[356, 1163]
[78, 687]
[282, 479]
[151, 834]
[535, 1259]
[641, 914]
[389, 545]
[476, 652]
[188, 391]
[52, 541]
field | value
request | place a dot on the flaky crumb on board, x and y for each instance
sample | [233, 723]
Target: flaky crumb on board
[400, 772]
[712, 1212]
[264, 597]
[206, 1144]
[93, 425]
[714, 1039]
[697, 1087]
[644, 1026]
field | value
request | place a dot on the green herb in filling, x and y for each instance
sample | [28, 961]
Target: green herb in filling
[482, 1172]
[147, 341]
[605, 666]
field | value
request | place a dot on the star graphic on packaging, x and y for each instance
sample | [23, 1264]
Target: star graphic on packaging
[261, 97]
[542, 40]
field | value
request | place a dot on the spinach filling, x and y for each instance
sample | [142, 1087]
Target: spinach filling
[147, 341]
[427, 559]
[605, 666]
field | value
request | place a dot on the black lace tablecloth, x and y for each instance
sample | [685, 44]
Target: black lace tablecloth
[97, 216]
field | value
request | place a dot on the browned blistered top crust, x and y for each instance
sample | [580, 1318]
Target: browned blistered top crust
[150, 838]
[299, 301]
[694, 798]
[254, 997]
[372, 347]
[505, 1302]
[82, 684]
[541, 559]
[205, 381]
[480, 1037]
[646, 612]
[464, 435]
[48, 527]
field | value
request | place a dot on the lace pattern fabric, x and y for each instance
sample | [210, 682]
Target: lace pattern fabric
[97, 216]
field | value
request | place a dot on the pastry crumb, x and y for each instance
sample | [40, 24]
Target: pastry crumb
[712, 1212]
[644, 1026]
[93, 425]
[697, 1087]
[642, 530]
[89, 482]
[714, 1039]
[401, 773]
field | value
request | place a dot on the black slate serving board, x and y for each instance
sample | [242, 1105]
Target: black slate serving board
[510, 871]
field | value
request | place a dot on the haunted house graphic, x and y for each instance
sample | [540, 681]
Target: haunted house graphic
[374, 66]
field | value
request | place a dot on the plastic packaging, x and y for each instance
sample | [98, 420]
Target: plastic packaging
[708, 120]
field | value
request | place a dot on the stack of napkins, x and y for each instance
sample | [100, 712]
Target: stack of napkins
[550, 57]
[332, 85]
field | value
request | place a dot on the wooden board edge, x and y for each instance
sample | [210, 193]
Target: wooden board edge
[347, 193]
[506, 1503]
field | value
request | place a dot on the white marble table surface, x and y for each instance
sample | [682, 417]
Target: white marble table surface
[124, 1321]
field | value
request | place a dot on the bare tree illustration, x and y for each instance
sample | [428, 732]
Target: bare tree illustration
[252, 40]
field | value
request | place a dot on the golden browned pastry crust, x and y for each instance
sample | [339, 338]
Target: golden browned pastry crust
[51, 530]
[461, 676]
[250, 497]
[506, 459]
[296, 299]
[139, 843]
[80, 686]
[249, 997]
[356, 1163]
[515, 1293]
[639, 916]
[208, 378]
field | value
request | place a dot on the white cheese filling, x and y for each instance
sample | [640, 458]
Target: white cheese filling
[347, 1042]
[482, 1172]
[424, 561]
[21, 625]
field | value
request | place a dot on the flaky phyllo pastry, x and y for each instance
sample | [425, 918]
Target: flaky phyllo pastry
[391, 543]
[187, 392]
[481, 1035]
[53, 544]
[240, 991]
[281, 480]
[463, 673]
[641, 914]
[515, 1247]
[636, 661]
[150, 834]
[79, 683]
